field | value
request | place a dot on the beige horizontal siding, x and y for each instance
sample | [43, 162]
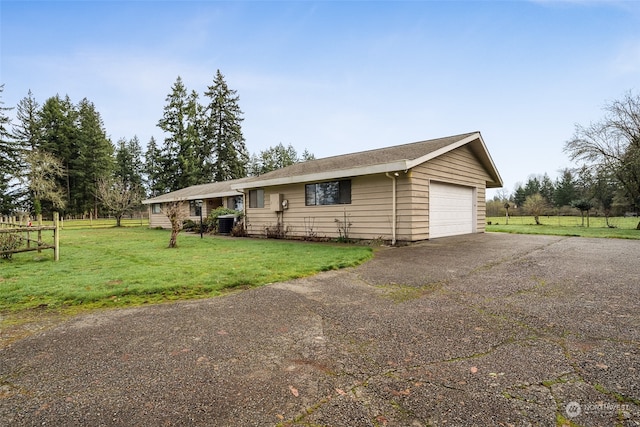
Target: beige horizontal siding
[161, 220]
[369, 212]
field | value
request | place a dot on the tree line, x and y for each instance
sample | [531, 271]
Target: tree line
[56, 156]
[607, 178]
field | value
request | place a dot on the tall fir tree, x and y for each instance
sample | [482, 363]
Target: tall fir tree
[94, 160]
[153, 171]
[129, 166]
[275, 158]
[178, 154]
[566, 190]
[28, 130]
[59, 138]
[10, 160]
[75, 135]
[547, 188]
[222, 131]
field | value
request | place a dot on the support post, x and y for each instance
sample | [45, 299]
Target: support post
[39, 232]
[56, 237]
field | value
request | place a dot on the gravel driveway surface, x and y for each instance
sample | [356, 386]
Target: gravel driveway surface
[480, 330]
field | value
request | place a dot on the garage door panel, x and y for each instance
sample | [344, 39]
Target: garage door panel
[450, 210]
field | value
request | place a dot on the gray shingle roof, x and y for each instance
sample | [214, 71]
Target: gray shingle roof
[396, 158]
[202, 191]
[379, 160]
[365, 158]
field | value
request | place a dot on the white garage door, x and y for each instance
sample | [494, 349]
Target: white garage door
[450, 210]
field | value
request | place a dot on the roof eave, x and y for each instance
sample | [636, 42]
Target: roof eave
[482, 152]
[324, 176]
[437, 153]
[487, 160]
[161, 199]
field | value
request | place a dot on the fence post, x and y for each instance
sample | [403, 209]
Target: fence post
[28, 232]
[39, 233]
[56, 237]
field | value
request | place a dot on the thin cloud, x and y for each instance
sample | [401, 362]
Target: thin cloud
[627, 60]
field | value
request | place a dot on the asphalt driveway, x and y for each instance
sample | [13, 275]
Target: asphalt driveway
[481, 330]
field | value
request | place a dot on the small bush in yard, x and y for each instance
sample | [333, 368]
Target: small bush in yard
[190, 225]
[238, 230]
[9, 242]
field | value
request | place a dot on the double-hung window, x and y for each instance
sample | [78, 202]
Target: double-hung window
[256, 198]
[328, 193]
[156, 208]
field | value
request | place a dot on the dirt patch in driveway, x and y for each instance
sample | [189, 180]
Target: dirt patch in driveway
[485, 329]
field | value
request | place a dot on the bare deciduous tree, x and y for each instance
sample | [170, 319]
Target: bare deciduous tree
[41, 179]
[118, 197]
[613, 145]
[536, 205]
[177, 212]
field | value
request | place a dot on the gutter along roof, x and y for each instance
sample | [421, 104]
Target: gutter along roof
[389, 159]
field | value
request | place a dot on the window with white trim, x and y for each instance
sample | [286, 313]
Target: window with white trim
[156, 208]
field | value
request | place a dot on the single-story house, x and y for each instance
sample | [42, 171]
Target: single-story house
[409, 192]
[213, 196]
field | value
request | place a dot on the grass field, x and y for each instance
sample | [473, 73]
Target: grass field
[100, 223]
[623, 228]
[110, 267]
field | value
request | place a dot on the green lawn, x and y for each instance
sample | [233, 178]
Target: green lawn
[110, 267]
[100, 223]
[623, 228]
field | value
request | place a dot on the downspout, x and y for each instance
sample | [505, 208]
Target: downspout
[245, 202]
[393, 209]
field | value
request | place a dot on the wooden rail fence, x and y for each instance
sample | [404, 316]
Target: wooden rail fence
[26, 232]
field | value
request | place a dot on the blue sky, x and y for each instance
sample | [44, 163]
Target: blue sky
[339, 76]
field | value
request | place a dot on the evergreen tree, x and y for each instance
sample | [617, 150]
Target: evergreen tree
[565, 189]
[519, 196]
[94, 159]
[584, 179]
[604, 191]
[547, 189]
[178, 155]
[9, 160]
[153, 169]
[275, 158]
[532, 186]
[222, 132]
[129, 166]
[59, 138]
[76, 136]
[27, 132]
[28, 129]
[307, 155]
